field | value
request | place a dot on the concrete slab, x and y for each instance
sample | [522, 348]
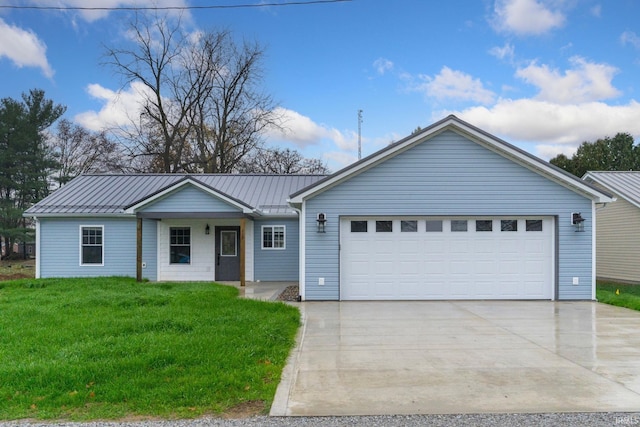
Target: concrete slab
[264, 291]
[376, 358]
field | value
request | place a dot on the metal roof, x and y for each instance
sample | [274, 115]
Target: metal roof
[111, 194]
[625, 184]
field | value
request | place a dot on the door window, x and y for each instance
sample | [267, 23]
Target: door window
[228, 241]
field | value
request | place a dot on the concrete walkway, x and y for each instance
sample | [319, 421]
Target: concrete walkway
[358, 358]
[265, 291]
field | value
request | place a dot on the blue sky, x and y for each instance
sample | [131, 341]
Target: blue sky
[545, 75]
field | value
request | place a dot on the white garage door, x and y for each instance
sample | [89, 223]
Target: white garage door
[446, 258]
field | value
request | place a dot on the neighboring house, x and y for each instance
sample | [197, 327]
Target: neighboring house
[618, 226]
[451, 212]
[19, 249]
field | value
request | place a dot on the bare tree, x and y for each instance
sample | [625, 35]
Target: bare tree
[203, 109]
[282, 161]
[156, 61]
[231, 112]
[79, 151]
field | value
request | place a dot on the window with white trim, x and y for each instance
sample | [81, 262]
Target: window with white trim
[91, 245]
[179, 245]
[273, 236]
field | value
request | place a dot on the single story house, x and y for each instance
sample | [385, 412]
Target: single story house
[451, 212]
[618, 226]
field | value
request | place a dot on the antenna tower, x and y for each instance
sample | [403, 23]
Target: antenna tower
[359, 134]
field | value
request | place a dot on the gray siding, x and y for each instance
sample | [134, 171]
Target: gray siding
[189, 199]
[277, 265]
[617, 238]
[448, 175]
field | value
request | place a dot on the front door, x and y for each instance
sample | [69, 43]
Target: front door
[227, 253]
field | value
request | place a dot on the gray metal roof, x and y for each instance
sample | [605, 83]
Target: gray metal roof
[625, 184]
[111, 194]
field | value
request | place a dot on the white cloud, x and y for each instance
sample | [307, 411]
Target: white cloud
[505, 52]
[24, 48]
[629, 37]
[96, 13]
[382, 65]
[452, 84]
[547, 151]
[525, 17]
[118, 109]
[303, 132]
[587, 81]
[543, 122]
[339, 159]
[596, 11]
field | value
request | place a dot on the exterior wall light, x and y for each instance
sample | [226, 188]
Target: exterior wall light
[207, 230]
[577, 221]
[322, 221]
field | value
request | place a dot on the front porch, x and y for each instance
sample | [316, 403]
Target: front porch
[215, 247]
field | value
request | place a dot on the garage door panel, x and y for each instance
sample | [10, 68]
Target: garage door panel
[444, 264]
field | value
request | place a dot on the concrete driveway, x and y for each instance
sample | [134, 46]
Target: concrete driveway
[359, 358]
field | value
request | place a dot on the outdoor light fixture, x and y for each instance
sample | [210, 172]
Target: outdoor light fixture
[207, 230]
[322, 221]
[577, 221]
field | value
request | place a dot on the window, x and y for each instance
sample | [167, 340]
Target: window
[273, 237]
[484, 225]
[180, 245]
[228, 239]
[408, 226]
[509, 225]
[534, 225]
[91, 245]
[384, 226]
[458, 225]
[358, 226]
[434, 225]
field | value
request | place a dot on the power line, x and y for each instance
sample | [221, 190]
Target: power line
[222, 6]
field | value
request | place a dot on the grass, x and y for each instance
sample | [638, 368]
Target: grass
[110, 348]
[626, 296]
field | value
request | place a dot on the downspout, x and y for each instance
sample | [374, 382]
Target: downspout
[594, 208]
[593, 251]
[301, 251]
[37, 247]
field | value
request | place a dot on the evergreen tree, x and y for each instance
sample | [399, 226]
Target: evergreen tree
[25, 160]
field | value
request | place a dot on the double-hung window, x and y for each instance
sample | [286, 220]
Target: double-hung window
[273, 237]
[91, 245]
[180, 245]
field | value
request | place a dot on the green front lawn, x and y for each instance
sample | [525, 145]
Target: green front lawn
[621, 295]
[113, 348]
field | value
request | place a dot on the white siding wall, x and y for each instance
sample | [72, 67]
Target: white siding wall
[202, 265]
[617, 239]
[249, 260]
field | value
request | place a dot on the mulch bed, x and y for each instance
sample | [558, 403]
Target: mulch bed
[289, 294]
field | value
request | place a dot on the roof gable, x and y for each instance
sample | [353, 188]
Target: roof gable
[470, 132]
[187, 181]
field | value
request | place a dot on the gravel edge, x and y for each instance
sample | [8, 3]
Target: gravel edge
[578, 419]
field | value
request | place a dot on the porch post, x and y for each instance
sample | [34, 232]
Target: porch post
[242, 250]
[139, 250]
